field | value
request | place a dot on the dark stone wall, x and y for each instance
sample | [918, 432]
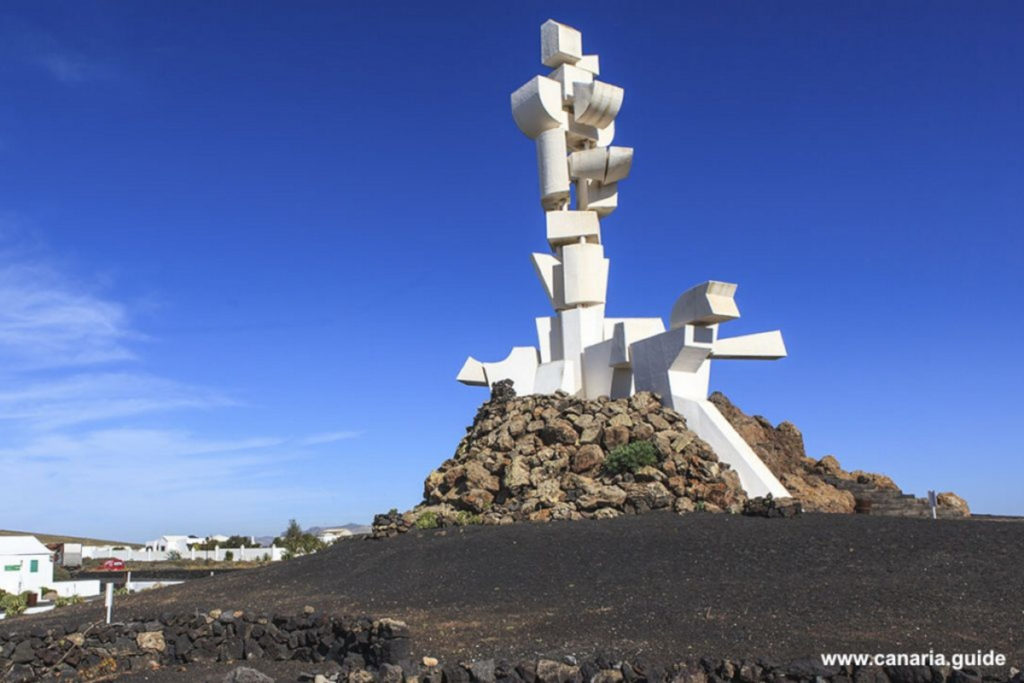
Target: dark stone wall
[94, 650]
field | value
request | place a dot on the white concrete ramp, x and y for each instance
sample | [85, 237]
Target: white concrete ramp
[704, 419]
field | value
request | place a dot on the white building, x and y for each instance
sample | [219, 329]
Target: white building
[25, 564]
[332, 534]
[179, 544]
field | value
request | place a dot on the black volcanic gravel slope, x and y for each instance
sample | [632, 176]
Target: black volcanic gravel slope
[663, 585]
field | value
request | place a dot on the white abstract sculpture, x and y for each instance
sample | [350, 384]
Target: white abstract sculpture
[570, 115]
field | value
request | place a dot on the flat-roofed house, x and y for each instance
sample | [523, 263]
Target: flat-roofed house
[25, 564]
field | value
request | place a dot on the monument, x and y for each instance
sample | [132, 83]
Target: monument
[570, 116]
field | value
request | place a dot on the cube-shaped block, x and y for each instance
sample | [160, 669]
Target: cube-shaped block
[591, 63]
[569, 75]
[706, 304]
[559, 44]
[585, 274]
[567, 227]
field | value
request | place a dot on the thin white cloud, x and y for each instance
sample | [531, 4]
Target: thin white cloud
[153, 478]
[45, 322]
[71, 68]
[73, 396]
[91, 397]
[328, 437]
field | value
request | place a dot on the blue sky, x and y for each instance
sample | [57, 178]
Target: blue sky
[245, 247]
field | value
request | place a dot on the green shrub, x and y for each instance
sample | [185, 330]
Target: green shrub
[465, 518]
[70, 600]
[61, 574]
[12, 604]
[229, 556]
[428, 520]
[631, 456]
[173, 555]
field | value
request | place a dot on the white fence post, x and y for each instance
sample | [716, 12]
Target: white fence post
[110, 599]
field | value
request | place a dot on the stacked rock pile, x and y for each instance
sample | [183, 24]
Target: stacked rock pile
[546, 457]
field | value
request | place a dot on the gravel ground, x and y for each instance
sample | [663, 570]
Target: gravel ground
[662, 585]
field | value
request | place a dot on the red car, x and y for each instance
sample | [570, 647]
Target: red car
[112, 565]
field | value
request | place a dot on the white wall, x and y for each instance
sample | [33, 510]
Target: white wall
[23, 578]
[85, 588]
[219, 554]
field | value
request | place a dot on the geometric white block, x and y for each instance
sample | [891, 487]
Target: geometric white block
[537, 106]
[589, 163]
[597, 103]
[567, 227]
[592, 195]
[600, 378]
[581, 136]
[760, 346]
[568, 75]
[553, 168]
[605, 165]
[549, 337]
[627, 331]
[675, 362]
[559, 375]
[584, 273]
[549, 270]
[591, 63]
[581, 327]
[559, 44]
[706, 304]
[597, 373]
[520, 366]
[472, 373]
[620, 161]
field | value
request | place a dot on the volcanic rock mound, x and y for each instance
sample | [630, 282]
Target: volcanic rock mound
[543, 457]
[822, 485]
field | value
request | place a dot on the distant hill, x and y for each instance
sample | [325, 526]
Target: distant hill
[354, 528]
[56, 538]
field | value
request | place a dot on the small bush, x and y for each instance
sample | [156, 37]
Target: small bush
[70, 600]
[466, 518]
[631, 457]
[229, 556]
[13, 604]
[61, 574]
[173, 555]
[428, 520]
